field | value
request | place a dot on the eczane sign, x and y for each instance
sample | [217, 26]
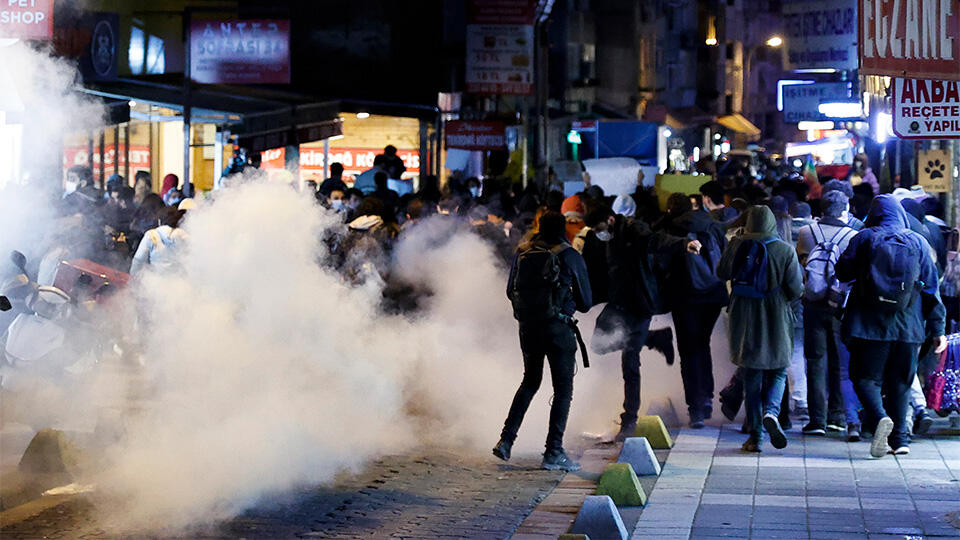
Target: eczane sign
[26, 19]
[916, 38]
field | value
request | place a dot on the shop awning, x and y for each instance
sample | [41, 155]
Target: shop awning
[257, 116]
[737, 122]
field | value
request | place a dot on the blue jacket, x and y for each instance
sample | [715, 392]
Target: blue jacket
[924, 317]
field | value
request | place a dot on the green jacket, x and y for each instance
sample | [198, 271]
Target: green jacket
[761, 329]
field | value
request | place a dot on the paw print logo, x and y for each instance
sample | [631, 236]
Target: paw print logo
[935, 169]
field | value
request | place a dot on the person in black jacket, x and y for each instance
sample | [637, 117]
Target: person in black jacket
[634, 298]
[553, 337]
[695, 312]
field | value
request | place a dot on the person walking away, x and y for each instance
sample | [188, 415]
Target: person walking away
[695, 296]
[634, 298]
[365, 181]
[160, 245]
[393, 163]
[714, 202]
[335, 182]
[548, 283]
[893, 308]
[766, 278]
[819, 246]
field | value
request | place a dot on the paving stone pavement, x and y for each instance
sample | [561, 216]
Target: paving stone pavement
[435, 495]
[815, 488]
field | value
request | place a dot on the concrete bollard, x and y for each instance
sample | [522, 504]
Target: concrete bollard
[50, 452]
[639, 454]
[599, 519]
[655, 432]
[620, 482]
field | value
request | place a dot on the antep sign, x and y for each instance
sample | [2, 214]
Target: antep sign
[925, 109]
[26, 19]
[916, 38]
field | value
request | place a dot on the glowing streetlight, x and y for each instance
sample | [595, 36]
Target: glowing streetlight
[362, 115]
[775, 41]
[711, 41]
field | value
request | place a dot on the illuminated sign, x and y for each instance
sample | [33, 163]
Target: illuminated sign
[910, 38]
[925, 109]
[26, 19]
[240, 51]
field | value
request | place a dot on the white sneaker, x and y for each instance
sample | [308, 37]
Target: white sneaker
[900, 451]
[878, 447]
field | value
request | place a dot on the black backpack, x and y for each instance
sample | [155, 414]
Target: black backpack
[750, 264]
[893, 271]
[702, 267]
[537, 293]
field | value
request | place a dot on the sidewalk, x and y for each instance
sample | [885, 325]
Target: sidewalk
[817, 487]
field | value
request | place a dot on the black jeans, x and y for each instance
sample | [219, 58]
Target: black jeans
[555, 340]
[764, 393]
[823, 352]
[694, 324]
[637, 330]
[882, 372]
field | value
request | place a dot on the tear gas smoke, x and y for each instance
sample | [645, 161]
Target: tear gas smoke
[263, 370]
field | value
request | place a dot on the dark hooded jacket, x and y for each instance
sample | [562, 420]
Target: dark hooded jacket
[695, 224]
[632, 257]
[925, 316]
[573, 276]
[762, 329]
[929, 231]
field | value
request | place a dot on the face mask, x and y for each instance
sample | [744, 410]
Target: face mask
[337, 204]
[69, 188]
[604, 236]
[475, 191]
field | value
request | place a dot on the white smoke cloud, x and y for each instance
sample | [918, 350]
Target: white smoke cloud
[263, 370]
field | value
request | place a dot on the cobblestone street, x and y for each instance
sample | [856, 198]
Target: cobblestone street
[436, 495]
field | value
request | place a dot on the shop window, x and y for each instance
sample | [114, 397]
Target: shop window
[146, 53]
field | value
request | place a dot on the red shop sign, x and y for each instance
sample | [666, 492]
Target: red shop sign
[469, 135]
[910, 38]
[26, 19]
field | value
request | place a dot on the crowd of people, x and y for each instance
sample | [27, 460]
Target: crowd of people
[835, 311]
[832, 289]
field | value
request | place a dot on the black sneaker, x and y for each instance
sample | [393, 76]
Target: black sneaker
[729, 405]
[558, 460]
[626, 431]
[662, 342]
[802, 413]
[922, 423]
[502, 449]
[853, 432]
[751, 445]
[777, 437]
[836, 427]
[696, 419]
[814, 429]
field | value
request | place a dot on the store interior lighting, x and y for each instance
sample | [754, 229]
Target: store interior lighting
[841, 109]
[808, 125]
[883, 127]
[362, 115]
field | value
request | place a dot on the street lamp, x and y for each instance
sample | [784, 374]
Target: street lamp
[772, 42]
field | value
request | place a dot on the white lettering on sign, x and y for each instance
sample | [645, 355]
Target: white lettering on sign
[907, 29]
[924, 109]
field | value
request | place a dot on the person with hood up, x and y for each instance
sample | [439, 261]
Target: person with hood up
[170, 182]
[625, 206]
[695, 301]
[761, 329]
[160, 245]
[893, 308]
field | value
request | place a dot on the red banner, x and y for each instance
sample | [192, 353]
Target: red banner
[26, 19]
[354, 161]
[910, 38]
[469, 135]
[139, 158]
[255, 51]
